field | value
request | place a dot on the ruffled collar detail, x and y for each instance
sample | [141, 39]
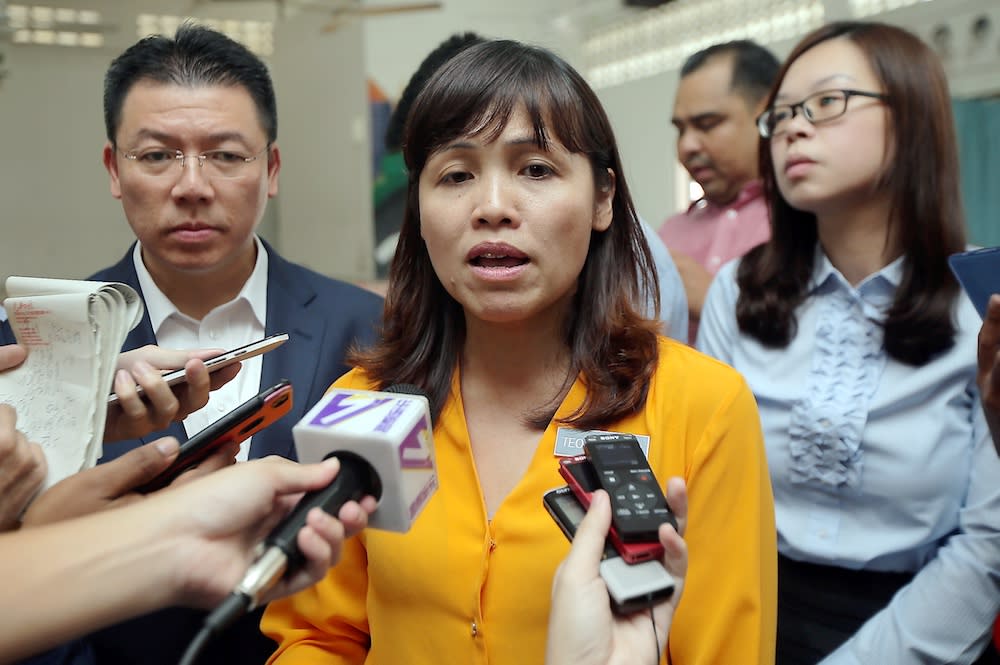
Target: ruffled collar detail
[827, 423]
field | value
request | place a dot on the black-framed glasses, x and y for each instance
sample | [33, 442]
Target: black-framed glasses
[816, 108]
[214, 163]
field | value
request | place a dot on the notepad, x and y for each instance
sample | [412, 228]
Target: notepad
[978, 271]
[73, 331]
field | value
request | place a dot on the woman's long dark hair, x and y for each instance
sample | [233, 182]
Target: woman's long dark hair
[926, 210]
[610, 342]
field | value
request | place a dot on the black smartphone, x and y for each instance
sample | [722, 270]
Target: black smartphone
[222, 360]
[236, 426]
[631, 587]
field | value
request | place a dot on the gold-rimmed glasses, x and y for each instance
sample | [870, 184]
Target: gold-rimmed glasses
[214, 163]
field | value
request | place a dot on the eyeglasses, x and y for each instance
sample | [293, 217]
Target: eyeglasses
[216, 163]
[816, 108]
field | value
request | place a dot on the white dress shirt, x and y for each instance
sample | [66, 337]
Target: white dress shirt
[233, 324]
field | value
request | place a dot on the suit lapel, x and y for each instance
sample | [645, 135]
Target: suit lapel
[288, 310]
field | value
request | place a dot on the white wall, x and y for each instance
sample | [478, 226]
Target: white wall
[325, 203]
[58, 217]
[640, 115]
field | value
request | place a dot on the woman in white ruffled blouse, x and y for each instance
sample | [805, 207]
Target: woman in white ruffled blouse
[861, 352]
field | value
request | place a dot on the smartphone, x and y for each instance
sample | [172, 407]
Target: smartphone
[582, 479]
[638, 506]
[236, 426]
[978, 271]
[631, 587]
[222, 360]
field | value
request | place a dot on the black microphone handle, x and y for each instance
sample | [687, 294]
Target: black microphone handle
[355, 480]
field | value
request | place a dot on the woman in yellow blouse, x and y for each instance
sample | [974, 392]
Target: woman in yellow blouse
[515, 302]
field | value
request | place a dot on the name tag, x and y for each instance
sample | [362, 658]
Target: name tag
[569, 442]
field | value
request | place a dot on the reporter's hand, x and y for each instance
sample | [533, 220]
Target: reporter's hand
[22, 468]
[988, 375]
[134, 416]
[219, 520]
[582, 628]
[113, 484]
[11, 355]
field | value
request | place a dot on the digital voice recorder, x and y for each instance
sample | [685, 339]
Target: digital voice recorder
[580, 475]
[638, 506]
[631, 587]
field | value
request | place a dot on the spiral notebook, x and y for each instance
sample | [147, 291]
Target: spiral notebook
[73, 331]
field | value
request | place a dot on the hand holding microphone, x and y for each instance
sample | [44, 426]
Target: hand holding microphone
[220, 520]
[187, 545]
[384, 443]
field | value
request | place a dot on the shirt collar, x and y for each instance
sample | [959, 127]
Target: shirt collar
[159, 307]
[749, 192]
[877, 289]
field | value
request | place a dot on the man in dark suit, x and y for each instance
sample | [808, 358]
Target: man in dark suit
[192, 155]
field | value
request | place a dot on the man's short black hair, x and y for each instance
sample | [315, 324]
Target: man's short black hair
[196, 56]
[754, 67]
[444, 52]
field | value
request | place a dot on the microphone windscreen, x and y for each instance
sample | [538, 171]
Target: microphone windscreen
[406, 389]
[392, 431]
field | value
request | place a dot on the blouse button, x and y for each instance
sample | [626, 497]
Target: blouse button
[475, 629]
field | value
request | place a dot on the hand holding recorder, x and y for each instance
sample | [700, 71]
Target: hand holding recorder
[582, 628]
[615, 463]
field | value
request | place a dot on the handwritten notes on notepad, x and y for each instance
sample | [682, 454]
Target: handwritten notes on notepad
[73, 331]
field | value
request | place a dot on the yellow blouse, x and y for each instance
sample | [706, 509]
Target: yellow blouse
[459, 588]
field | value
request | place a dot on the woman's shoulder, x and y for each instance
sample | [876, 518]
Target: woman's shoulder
[683, 367]
[355, 379]
[697, 398]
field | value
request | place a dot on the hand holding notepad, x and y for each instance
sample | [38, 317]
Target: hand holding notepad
[73, 331]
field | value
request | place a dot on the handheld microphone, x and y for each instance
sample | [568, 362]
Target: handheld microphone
[385, 446]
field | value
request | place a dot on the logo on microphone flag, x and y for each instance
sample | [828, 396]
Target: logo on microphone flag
[343, 406]
[415, 451]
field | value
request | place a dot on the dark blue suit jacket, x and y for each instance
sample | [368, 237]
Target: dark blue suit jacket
[322, 317]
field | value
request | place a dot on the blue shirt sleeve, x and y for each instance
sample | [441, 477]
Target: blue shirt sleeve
[944, 615]
[717, 330]
[673, 300]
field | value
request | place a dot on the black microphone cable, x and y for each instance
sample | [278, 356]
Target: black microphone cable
[281, 556]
